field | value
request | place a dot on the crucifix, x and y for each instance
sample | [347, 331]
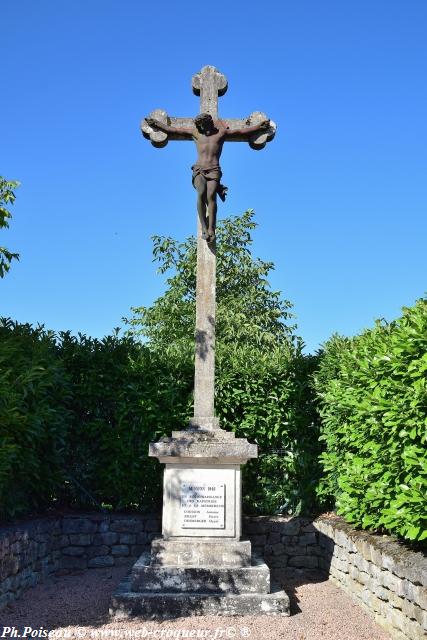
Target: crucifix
[200, 565]
[209, 133]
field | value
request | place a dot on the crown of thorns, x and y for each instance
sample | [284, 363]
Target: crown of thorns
[202, 117]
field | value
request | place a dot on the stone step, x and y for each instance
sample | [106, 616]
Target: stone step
[126, 604]
[213, 579]
[213, 552]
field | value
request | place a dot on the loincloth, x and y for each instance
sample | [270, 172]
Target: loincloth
[210, 173]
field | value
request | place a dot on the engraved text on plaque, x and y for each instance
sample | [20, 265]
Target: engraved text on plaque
[202, 505]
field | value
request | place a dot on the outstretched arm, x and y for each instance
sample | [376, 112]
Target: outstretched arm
[261, 126]
[152, 122]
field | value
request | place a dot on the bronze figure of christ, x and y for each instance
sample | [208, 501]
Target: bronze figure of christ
[209, 136]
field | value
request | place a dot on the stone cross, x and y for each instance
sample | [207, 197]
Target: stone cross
[209, 83]
[200, 565]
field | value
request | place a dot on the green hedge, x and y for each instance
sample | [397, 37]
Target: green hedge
[77, 414]
[268, 399]
[123, 398]
[373, 403]
[34, 420]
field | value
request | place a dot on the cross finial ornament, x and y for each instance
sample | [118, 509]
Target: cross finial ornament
[209, 83]
[209, 132]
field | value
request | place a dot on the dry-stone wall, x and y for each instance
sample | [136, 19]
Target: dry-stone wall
[32, 550]
[385, 577]
[381, 574]
[28, 553]
[288, 545]
[103, 541]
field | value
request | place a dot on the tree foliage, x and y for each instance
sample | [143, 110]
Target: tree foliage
[262, 383]
[7, 197]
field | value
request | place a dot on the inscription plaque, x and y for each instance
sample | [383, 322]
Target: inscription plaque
[202, 505]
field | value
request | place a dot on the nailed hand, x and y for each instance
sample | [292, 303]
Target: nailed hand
[152, 122]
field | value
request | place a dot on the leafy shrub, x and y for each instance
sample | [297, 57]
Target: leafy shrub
[124, 396]
[262, 382]
[33, 419]
[267, 397]
[373, 402]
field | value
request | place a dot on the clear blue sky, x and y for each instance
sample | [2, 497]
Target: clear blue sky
[340, 195]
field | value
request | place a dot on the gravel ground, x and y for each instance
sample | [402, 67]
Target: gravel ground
[76, 606]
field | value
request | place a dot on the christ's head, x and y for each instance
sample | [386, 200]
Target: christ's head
[204, 122]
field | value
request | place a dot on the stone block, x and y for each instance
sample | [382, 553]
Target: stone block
[340, 538]
[308, 562]
[307, 538]
[6, 599]
[73, 551]
[17, 547]
[413, 611]
[393, 599]
[100, 561]
[294, 550]
[255, 526]
[78, 525]
[375, 572]
[120, 550]
[9, 567]
[291, 527]
[361, 563]
[137, 549]
[326, 543]
[420, 596]
[392, 582]
[211, 552]
[63, 541]
[273, 537]
[80, 539]
[108, 538]
[259, 540]
[142, 538]
[72, 562]
[278, 549]
[96, 551]
[376, 556]
[277, 562]
[381, 592]
[127, 538]
[148, 578]
[123, 561]
[152, 525]
[276, 524]
[104, 526]
[308, 528]
[399, 620]
[366, 580]
[313, 550]
[126, 526]
[126, 604]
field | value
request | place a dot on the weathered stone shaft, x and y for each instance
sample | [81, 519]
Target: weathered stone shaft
[209, 83]
[204, 367]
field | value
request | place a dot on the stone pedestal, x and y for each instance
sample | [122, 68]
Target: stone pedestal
[200, 566]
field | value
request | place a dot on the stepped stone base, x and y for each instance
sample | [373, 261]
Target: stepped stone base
[204, 580]
[200, 553]
[127, 604]
[155, 589]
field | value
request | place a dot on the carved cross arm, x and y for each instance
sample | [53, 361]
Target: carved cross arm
[159, 138]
